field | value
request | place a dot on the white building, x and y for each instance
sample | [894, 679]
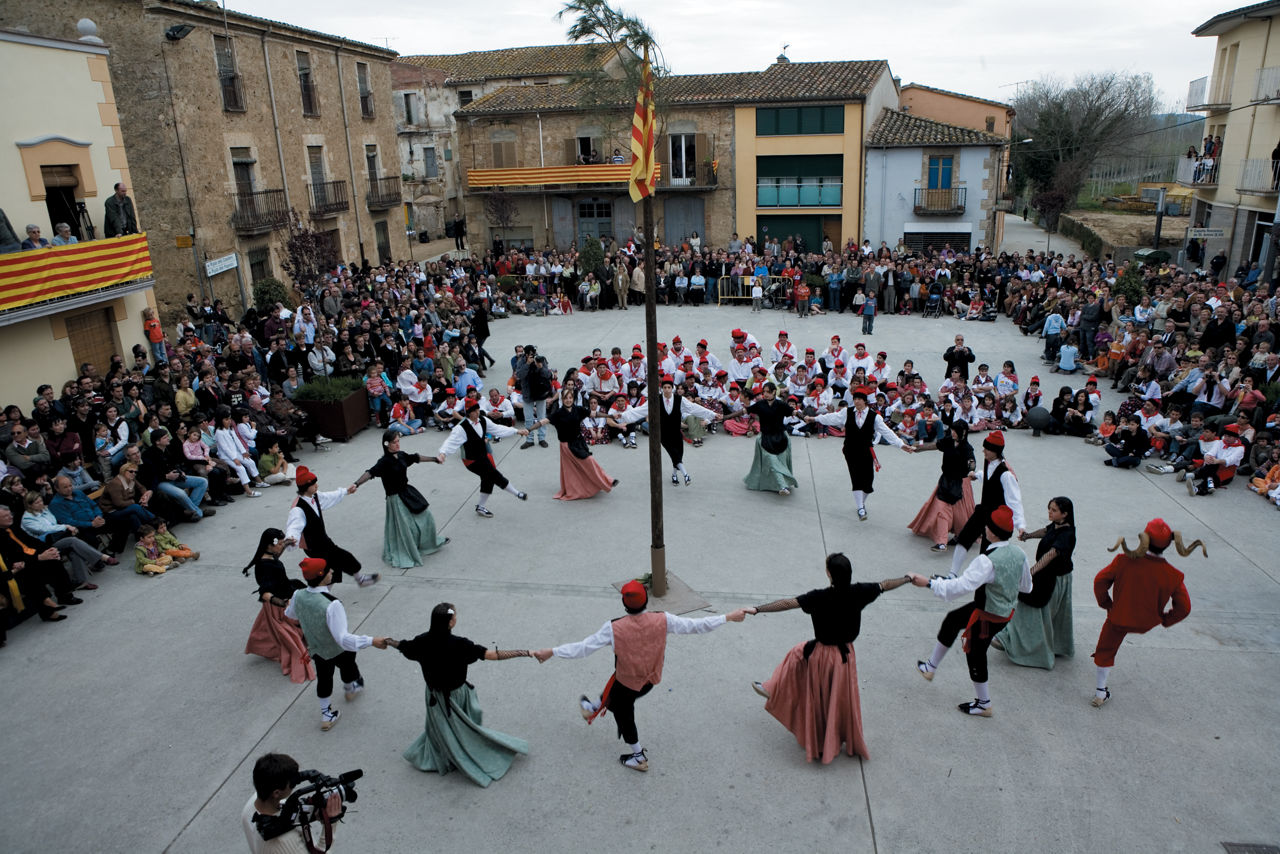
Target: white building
[930, 182]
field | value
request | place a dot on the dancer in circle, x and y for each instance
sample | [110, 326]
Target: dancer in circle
[409, 532]
[771, 463]
[951, 503]
[470, 436]
[861, 429]
[675, 410]
[1134, 590]
[274, 636]
[332, 647]
[995, 578]
[306, 527]
[1042, 628]
[639, 642]
[580, 475]
[814, 691]
[452, 736]
[1000, 488]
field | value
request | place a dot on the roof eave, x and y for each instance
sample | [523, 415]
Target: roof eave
[1228, 21]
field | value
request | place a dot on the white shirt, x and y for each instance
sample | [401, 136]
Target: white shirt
[321, 501]
[980, 571]
[604, 636]
[458, 435]
[839, 417]
[632, 414]
[407, 382]
[1012, 494]
[335, 617]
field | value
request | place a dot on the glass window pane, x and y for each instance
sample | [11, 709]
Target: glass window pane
[809, 194]
[831, 194]
[766, 122]
[767, 195]
[788, 194]
[833, 119]
[810, 120]
[788, 120]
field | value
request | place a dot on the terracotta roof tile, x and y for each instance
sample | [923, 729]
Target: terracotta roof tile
[896, 129]
[817, 81]
[540, 61]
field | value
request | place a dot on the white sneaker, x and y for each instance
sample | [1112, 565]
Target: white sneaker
[328, 718]
[322, 440]
[353, 691]
[367, 579]
[252, 494]
[588, 708]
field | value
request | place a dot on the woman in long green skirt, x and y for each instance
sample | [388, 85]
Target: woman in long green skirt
[409, 532]
[452, 737]
[771, 463]
[1042, 628]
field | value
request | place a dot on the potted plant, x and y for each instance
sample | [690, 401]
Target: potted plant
[339, 406]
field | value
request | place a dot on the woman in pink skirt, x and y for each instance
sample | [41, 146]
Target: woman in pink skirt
[951, 503]
[580, 475]
[275, 636]
[814, 691]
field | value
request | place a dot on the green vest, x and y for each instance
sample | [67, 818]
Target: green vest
[311, 607]
[1002, 590]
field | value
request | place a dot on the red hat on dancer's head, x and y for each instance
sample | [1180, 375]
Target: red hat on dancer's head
[1091, 381]
[1159, 534]
[689, 358]
[839, 363]
[1002, 520]
[676, 340]
[1035, 380]
[994, 442]
[782, 333]
[313, 568]
[667, 379]
[634, 596]
[304, 476]
[472, 405]
[722, 373]
[702, 342]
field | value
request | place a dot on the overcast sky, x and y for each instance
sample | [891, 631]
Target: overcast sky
[979, 47]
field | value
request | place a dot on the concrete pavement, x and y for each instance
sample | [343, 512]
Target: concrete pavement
[133, 726]
[1020, 235]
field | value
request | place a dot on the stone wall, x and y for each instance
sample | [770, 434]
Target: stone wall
[183, 179]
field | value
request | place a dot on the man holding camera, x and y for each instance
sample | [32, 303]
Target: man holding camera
[534, 379]
[267, 831]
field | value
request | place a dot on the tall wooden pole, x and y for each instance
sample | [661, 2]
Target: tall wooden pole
[658, 549]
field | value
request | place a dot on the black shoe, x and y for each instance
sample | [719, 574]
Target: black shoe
[528, 444]
[70, 600]
[523, 496]
[542, 443]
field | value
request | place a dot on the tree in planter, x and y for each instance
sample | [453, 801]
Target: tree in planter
[591, 256]
[267, 292]
[500, 209]
[306, 254]
[1130, 283]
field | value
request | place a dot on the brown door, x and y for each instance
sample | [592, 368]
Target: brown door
[93, 338]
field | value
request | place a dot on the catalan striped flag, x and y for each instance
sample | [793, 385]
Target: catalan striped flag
[38, 275]
[642, 131]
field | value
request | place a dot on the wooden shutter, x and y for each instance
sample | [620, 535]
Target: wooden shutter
[571, 151]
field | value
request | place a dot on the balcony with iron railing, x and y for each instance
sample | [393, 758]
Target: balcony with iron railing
[1258, 177]
[700, 176]
[1267, 85]
[328, 198]
[940, 202]
[1197, 172]
[527, 179]
[259, 212]
[383, 193]
[799, 193]
[1203, 97]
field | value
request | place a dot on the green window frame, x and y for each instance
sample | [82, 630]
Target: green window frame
[799, 121]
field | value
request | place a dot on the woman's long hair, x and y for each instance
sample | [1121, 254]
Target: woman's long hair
[1067, 507]
[840, 568]
[269, 538]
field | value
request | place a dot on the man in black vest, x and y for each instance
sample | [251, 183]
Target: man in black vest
[469, 435]
[999, 487]
[860, 434]
[674, 409]
[306, 527]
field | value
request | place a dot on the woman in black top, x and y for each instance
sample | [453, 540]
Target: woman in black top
[580, 475]
[1041, 628]
[275, 636]
[771, 464]
[409, 531]
[951, 503]
[453, 737]
[814, 691]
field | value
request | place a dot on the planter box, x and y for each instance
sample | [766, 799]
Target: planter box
[340, 420]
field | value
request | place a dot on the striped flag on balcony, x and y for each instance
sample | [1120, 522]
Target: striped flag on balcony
[38, 275]
[642, 125]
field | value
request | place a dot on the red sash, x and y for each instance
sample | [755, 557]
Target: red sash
[984, 622]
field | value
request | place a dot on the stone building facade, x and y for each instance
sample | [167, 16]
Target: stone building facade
[235, 121]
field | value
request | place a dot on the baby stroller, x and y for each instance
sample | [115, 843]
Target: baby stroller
[933, 305]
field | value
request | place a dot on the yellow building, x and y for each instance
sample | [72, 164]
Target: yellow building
[60, 156]
[1235, 188]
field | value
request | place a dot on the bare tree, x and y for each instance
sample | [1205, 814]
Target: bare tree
[1098, 115]
[306, 253]
[500, 209]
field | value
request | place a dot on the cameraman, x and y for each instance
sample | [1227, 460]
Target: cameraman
[274, 777]
[534, 380]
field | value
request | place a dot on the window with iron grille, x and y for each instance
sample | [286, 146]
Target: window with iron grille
[228, 78]
[366, 93]
[259, 263]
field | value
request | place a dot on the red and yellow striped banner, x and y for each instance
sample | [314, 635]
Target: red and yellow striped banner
[640, 181]
[37, 275]
[602, 173]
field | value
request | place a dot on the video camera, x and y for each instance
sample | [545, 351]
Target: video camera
[307, 803]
